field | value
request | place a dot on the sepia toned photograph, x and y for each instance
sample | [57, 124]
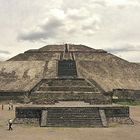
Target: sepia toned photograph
[70, 70]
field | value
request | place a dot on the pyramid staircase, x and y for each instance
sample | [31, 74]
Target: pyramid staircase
[73, 117]
[67, 86]
[65, 89]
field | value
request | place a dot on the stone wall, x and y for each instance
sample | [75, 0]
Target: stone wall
[116, 111]
[74, 116]
[28, 116]
[126, 94]
[18, 97]
[67, 89]
[28, 112]
[93, 98]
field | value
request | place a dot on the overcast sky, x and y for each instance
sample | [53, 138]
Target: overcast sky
[112, 25]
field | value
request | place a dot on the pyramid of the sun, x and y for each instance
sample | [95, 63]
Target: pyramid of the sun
[66, 72]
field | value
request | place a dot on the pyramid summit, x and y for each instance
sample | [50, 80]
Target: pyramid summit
[52, 52]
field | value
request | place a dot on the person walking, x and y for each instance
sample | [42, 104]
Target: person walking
[2, 106]
[9, 106]
[12, 106]
[10, 122]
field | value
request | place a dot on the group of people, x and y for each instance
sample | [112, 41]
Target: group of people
[10, 106]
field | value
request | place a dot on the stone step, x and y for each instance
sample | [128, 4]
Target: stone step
[72, 120]
[67, 68]
[66, 82]
[74, 117]
[71, 117]
[70, 111]
[66, 122]
[70, 114]
[67, 89]
[73, 125]
[77, 123]
[64, 92]
[95, 84]
[65, 85]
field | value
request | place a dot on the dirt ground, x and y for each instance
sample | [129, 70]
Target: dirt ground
[24, 132]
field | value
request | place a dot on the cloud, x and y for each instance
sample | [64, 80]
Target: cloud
[85, 18]
[61, 23]
[97, 23]
[42, 32]
[128, 52]
[4, 52]
[46, 29]
[4, 55]
[78, 14]
[124, 48]
[32, 36]
[124, 3]
[100, 3]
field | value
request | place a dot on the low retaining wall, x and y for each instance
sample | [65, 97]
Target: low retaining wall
[126, 94]
[73, 116]
[93, 98]
[18, 97]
